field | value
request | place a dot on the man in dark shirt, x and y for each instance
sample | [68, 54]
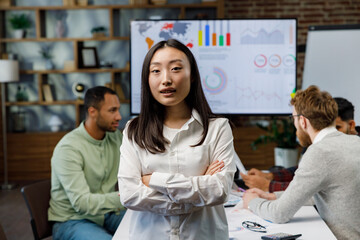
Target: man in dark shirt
[278, 180]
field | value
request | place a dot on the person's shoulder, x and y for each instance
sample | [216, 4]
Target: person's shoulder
[115, 135]
[219, 124]
[219, 120]
[340, 137]
[72, 138]
[351, 139]
[72, 135]
[332, 144]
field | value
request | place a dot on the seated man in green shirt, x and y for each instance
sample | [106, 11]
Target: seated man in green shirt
[84, 203]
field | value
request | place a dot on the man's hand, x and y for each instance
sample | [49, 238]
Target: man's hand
[146, 179]
[256, 193]
[255, 181]
[262, 194]
[254, 171]
[247, 197]
[215, 167]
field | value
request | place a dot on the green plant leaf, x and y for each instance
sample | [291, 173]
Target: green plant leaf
[98, 29]
[20, 21]
[280, 131]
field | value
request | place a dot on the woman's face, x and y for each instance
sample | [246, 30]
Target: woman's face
[169, 77]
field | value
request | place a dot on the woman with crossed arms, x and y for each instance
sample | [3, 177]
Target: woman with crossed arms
[176, 168]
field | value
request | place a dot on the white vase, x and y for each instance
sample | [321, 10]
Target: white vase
[19, 33]
[286, 157]
[48, 64]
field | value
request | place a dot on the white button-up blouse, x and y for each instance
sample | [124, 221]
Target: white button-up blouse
[181, 202]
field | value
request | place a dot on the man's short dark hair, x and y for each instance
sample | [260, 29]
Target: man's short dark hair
[345, 109]
[94, 96]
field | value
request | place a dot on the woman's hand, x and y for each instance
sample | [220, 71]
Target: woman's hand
[146, 179]
[215, 167]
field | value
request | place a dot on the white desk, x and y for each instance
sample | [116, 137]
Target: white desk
[306, 221]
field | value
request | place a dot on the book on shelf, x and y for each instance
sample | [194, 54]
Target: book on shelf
[48, 96]
[119, 91]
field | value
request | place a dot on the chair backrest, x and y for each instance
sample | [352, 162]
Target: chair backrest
[2, 233]
[37, 197]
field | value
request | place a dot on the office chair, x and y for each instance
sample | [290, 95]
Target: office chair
[37, 197]
[2, 233]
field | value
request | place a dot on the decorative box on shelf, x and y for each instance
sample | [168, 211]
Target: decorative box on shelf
[98, 34]
[69, 65]
[137, 2]
[158, 2]
[69, 2]
[75, 2]
[82, 2]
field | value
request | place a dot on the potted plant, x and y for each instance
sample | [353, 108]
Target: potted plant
[282, 132]
[98, 31]
[20, 22]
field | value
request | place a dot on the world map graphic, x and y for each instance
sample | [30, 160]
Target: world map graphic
[155, 32]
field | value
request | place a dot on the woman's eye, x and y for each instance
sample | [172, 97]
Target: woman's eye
[177, 68]
[155, 71]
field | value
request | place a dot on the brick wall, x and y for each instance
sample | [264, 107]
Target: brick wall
[307, 12]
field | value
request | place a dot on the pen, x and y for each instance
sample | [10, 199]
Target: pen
[241, 189]
[231, 205]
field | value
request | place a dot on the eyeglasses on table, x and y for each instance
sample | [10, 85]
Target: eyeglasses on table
[253, 226]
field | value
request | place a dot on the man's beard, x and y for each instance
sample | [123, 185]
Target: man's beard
[104, 126]
[303, 137]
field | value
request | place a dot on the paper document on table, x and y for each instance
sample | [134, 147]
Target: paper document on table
[235, 197]
[237, 215]
[239, 164]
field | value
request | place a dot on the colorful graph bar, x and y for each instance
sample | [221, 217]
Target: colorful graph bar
[210, 37]
[221, 40]
[207, 35]
[200, 34]
[200, 38]
[228, 37]
[214, 34]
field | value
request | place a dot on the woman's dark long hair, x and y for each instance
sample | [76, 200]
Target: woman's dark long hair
[147, 128]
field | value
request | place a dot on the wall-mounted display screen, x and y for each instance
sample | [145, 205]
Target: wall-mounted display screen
[247, 66]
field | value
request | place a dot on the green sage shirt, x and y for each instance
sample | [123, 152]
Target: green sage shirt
[83, 177]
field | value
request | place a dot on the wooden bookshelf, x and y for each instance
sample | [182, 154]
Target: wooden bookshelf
[29, 153]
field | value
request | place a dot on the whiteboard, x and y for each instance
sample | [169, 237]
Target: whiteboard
[332, 62]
